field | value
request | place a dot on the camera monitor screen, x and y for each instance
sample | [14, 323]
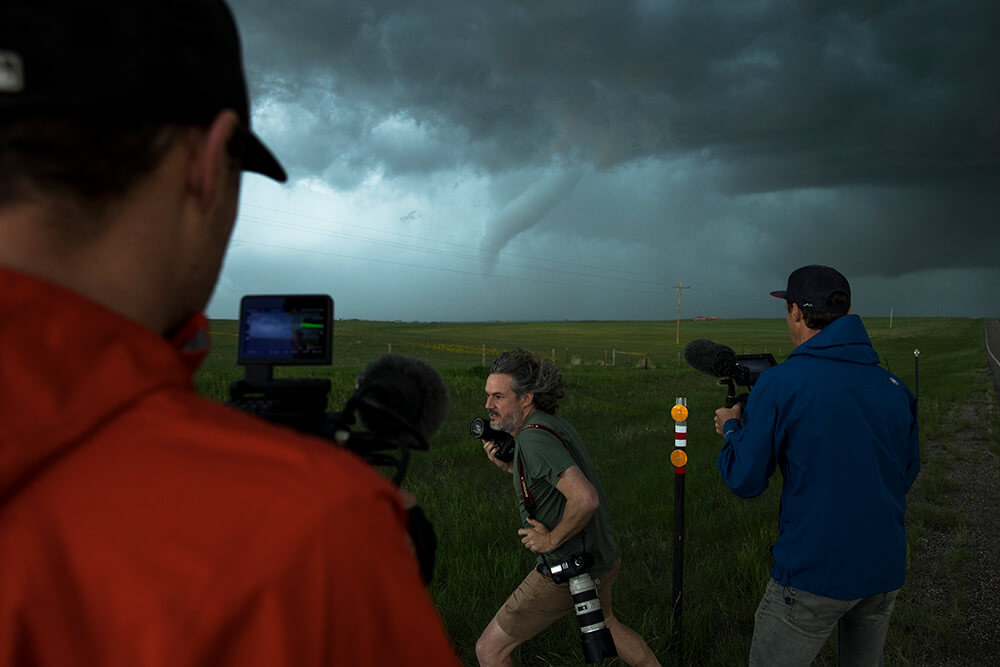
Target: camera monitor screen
[752, 366]
[285, 330]
[756, 363]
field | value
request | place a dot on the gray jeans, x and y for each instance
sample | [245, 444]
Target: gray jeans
[792, 625]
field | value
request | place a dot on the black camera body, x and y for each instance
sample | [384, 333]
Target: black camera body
[573, 566]
[284, 330]
[732, 369]
[297, 330]
[744, 373]
[481, 430]
[596, 639]
[749, 367]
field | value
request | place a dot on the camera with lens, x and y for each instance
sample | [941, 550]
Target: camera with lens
[594, 634]
[481, 430]
[398, 401]
[744, 373]
[732, 369]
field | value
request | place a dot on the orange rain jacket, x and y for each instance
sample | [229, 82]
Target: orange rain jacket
[143, 525]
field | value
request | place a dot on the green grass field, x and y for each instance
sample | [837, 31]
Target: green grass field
[623, 413]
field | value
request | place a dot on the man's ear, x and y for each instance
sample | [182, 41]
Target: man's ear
[526, 399]
[209, 163]
[796, 313]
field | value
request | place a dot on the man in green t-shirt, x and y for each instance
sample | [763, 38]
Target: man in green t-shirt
[563, 508]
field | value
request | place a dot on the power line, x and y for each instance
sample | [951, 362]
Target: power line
[369, 228]
[471, 253]
[623, 280]
[426, 267]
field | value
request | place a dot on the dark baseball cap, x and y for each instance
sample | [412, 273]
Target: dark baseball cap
[170, 61]
[812, 286]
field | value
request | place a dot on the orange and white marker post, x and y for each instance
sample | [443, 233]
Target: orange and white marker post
[679, 456]
[679, 459]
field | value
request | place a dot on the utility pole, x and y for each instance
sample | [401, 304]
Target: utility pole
[679, 287]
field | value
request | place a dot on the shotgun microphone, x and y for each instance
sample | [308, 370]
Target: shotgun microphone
[721, 361]
[397, 395]
[715, 359]
[403, 398]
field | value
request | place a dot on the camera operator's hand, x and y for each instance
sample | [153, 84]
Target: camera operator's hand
[722, 415]
[491, 448]
[536, 538]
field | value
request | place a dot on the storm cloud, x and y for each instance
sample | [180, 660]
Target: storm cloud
[572, 160]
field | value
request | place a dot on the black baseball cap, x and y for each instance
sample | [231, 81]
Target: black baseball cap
[170, 61]
[812, 286]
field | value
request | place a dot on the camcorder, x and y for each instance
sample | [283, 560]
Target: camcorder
[481, 430]
[596, 639]
[297, 330]
[732, 369]
[397, 404]
[747, 369]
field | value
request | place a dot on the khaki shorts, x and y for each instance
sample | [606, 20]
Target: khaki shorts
[539, 602]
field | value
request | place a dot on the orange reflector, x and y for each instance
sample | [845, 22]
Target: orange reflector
[679, 412]
[679, 458]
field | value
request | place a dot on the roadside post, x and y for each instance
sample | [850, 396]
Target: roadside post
[679, 458]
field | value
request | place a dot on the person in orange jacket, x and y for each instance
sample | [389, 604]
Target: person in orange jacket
[139, 523]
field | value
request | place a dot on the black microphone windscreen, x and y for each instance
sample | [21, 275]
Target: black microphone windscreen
[713, 358]
[407, 386]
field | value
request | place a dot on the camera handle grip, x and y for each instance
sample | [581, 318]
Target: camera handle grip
[731, 391]
[732, 401]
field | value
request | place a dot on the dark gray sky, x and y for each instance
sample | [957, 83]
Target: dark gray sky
[485, 160]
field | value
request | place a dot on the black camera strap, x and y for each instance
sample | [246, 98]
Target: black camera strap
[526, 497]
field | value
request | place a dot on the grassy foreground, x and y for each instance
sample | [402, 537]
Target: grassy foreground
[623, 412]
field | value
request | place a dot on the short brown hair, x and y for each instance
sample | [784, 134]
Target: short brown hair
[816, 320]
[77, 166]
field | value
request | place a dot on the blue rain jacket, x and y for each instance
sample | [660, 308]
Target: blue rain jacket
[843, 431]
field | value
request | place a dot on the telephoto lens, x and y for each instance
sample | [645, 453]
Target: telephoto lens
[597, 641]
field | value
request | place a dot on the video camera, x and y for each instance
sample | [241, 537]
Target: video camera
[732, 369]
[399, 400]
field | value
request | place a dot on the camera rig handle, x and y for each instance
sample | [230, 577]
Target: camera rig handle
[730, 384]
[732, 398]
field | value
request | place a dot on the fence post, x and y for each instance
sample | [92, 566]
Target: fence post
[484, 355]
[679, 458]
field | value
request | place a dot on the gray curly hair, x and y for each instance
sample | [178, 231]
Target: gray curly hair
[532, 374]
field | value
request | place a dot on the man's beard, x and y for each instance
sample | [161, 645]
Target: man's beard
[511, 424]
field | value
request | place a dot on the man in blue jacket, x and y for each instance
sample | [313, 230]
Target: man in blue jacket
[843, 431]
